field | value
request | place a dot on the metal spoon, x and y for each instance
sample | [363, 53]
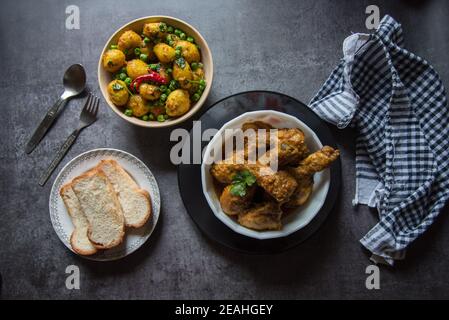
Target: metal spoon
[74, 83]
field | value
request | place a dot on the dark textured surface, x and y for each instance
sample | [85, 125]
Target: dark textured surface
[291, 47]
[189, 175]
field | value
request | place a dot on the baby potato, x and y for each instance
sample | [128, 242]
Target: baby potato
[138, 105]
[183, 75]
[178, 103]
[136, 68]
[149, 91]
[189, 51]
[154, 29]
[163, 72]
[113, 60]
[148, 50]
[198, 74]
[129, 40]
[118, 93]
[164, 52]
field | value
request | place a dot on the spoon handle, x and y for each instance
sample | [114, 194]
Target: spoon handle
[45, 124]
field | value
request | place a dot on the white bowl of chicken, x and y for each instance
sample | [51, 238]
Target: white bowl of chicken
[265, 174]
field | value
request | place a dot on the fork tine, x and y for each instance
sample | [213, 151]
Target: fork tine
[92, 104]
[97, 104]
[88, 103]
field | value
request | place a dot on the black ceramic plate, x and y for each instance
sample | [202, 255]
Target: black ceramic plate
[189, 175]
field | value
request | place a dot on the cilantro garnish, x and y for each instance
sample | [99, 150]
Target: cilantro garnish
[181, 62]
[117, 87]
[241, 181]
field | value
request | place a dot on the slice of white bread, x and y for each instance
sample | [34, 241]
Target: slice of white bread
[101, 208]
[78, 240]
[135, 202]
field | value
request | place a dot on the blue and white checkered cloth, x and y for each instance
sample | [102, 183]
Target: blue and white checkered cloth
[397, 103]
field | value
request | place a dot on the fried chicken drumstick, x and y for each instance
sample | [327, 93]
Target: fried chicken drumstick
[288, 184]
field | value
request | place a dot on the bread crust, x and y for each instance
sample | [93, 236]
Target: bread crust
[136, 189]
[72, 240]
[97, 170]
[80, 250]
[88, 174]
[149, 211]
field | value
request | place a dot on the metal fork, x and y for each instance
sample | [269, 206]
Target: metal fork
[87, 117]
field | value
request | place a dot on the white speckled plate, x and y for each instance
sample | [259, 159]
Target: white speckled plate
[135, 238]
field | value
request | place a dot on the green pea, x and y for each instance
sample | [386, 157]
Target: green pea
[160, 118]
[151, 116]
[178, 53]
[123, 70]
[202, 82]
[167, 92]
[114, 46]
[196, 97]
[194, 66]
[137, 51]
[128, 81]
[146, 40]
[171, 43]
[128, 112]
[163, 88]
[170, 29]
[178, 48]
[162, 26]
[153, 66]
[172, 86]
[143, 57]
[145, 118]
[182, 36]
[163, 97]
[190, 39]
[117, 76]
[166, 116]
[201, 87]
[169, 70]
[123, 76]
[178, 32]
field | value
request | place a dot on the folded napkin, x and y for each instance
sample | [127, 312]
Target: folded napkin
[397, 103]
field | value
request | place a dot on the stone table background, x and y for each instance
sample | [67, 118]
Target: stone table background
[285, 46]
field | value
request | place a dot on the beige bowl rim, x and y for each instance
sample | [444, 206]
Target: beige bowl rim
[208, 66]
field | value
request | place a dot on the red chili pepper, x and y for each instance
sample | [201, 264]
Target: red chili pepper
[153, 76]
